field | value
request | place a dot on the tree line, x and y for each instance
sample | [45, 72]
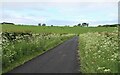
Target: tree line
[113, 25]
[39, 24]
[80, 25]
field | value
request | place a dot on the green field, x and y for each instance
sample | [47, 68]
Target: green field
[30, 41]
[54, 29]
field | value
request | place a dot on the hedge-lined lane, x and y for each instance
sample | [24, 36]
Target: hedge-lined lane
[61, 59]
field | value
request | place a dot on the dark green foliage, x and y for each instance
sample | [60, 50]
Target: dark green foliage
[39, 24]
[85, 24]
[8, 23]
[79, 24]
[43, 24]
[114, 25]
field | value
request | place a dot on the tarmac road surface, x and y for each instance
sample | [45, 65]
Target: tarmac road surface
[61, 59]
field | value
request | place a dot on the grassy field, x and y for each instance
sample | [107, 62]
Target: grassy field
[30, 41]
[54, 29]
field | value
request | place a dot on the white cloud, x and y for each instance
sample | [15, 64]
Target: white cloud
[19, 18]
[56, 11]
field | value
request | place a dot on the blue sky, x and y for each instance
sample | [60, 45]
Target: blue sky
[60, 13]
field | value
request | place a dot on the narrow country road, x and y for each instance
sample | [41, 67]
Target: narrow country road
[61, 59]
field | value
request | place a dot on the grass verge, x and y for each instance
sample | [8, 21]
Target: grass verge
[19, 51]
[99, 52]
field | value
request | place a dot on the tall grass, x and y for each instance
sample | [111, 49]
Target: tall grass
[99, 52]
[20, 47]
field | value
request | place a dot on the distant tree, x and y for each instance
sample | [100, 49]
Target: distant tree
[51, 25]
[85, 24]
[43, 24]
[113, 25]
[99, 26]
[39, 24]
[79, 24]
[8, 23]
[75, 26]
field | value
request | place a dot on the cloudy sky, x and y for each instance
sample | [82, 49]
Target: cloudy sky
[59, 12]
